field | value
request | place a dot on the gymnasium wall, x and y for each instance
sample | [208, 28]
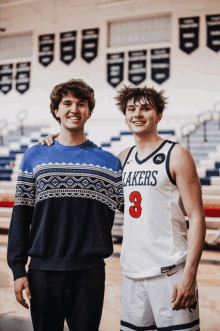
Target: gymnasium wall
[194, 82]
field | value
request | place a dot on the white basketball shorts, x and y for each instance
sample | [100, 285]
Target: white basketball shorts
[146, 304]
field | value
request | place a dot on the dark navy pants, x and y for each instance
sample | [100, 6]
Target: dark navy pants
[76, 296]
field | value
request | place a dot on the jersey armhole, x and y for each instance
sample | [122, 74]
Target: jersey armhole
[129, 153]
[168, 164]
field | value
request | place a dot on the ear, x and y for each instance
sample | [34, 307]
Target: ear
[56, 113]
[159, 117]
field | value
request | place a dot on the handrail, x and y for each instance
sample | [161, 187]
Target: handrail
[21, 116]
[217, 111]
[189, 132]
[211, 115]
[3, 124]
[210, 112]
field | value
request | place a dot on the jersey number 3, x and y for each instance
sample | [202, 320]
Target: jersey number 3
[135, 210]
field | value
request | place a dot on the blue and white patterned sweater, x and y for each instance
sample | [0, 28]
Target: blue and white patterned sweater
[65, 201]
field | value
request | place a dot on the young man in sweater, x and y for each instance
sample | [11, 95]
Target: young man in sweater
[160, 183]
[65, 200]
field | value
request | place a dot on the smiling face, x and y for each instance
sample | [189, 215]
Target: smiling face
[141, 117]
[72, 112]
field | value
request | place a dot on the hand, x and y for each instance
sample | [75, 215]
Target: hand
[48, 139]
[183, 293]
[19, 285]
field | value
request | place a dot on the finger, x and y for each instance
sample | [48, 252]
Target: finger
[177, 303]
[55, 135]
[27, 290]
[174, 294]
[47, 141]
[50, 140]
[20, 299]
[41, 142]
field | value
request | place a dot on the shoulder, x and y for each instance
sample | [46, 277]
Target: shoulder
[105, 159]
[32, 154]
[123, 155]
[181, 158]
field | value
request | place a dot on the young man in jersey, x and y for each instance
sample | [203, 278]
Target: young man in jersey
[159, 181]
[68, 194]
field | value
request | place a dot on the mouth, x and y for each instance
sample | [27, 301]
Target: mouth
[74, 118]
[138, 122]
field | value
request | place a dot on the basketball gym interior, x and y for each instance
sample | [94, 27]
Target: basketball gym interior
[169, 45]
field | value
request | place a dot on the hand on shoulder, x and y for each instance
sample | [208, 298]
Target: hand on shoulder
[122, 155]
[48, 139]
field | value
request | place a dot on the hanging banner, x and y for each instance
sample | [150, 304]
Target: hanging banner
[6, 78]
[46, 49]
[23, 76]
[160, 64]
[115, 68]
[213, 32]
[89, 44]
[137, 66]
[189, 34]
[68, 46]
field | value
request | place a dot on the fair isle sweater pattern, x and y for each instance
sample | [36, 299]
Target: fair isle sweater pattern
[69, 180]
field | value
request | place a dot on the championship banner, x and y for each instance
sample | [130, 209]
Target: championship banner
[6, 78]
[189, 34]
[160, 64]
[23, 76]
[137, 66]
[89, 44]
[46, 49]
[213, 32]
[68, 46]
[115, 68]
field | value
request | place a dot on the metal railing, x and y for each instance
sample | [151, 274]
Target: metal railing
[217, 111]
[202, 119]
[3, 124]
[21, 116]
[186, 130]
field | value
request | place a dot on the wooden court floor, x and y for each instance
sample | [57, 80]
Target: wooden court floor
[208, 281]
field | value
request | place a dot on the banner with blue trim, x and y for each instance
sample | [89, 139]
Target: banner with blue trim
[68, 46]
[137, 66]
[213, 32]
[6, 71]
[46, 49]
[189, 34]
[160, 64]
[90, 38]
[23, 76]
[115, 68]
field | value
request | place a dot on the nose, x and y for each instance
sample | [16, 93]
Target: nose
[138, 112]
[74, 108]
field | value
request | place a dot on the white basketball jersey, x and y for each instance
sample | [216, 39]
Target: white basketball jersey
[155, 232]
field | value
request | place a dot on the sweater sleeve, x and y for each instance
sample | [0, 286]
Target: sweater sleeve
[21, 218]
[120, 197]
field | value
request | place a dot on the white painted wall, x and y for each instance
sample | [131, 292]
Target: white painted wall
[194, 83]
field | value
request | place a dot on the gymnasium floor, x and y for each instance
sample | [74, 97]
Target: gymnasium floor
[15, 317]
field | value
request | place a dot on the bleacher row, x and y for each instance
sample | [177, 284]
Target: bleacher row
[208, 166]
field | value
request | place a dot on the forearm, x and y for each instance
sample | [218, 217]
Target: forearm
[17, 254]
[196, 238]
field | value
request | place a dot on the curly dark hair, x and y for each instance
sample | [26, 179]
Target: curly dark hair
[77, 88]
[150, 95]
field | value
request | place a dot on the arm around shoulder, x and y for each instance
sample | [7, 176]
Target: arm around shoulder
[123, 155]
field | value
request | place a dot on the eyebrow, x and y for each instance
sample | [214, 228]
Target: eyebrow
[69, 100]
[143, 105]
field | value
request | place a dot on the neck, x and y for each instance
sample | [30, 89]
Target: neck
[146, 143]
[71, 137]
